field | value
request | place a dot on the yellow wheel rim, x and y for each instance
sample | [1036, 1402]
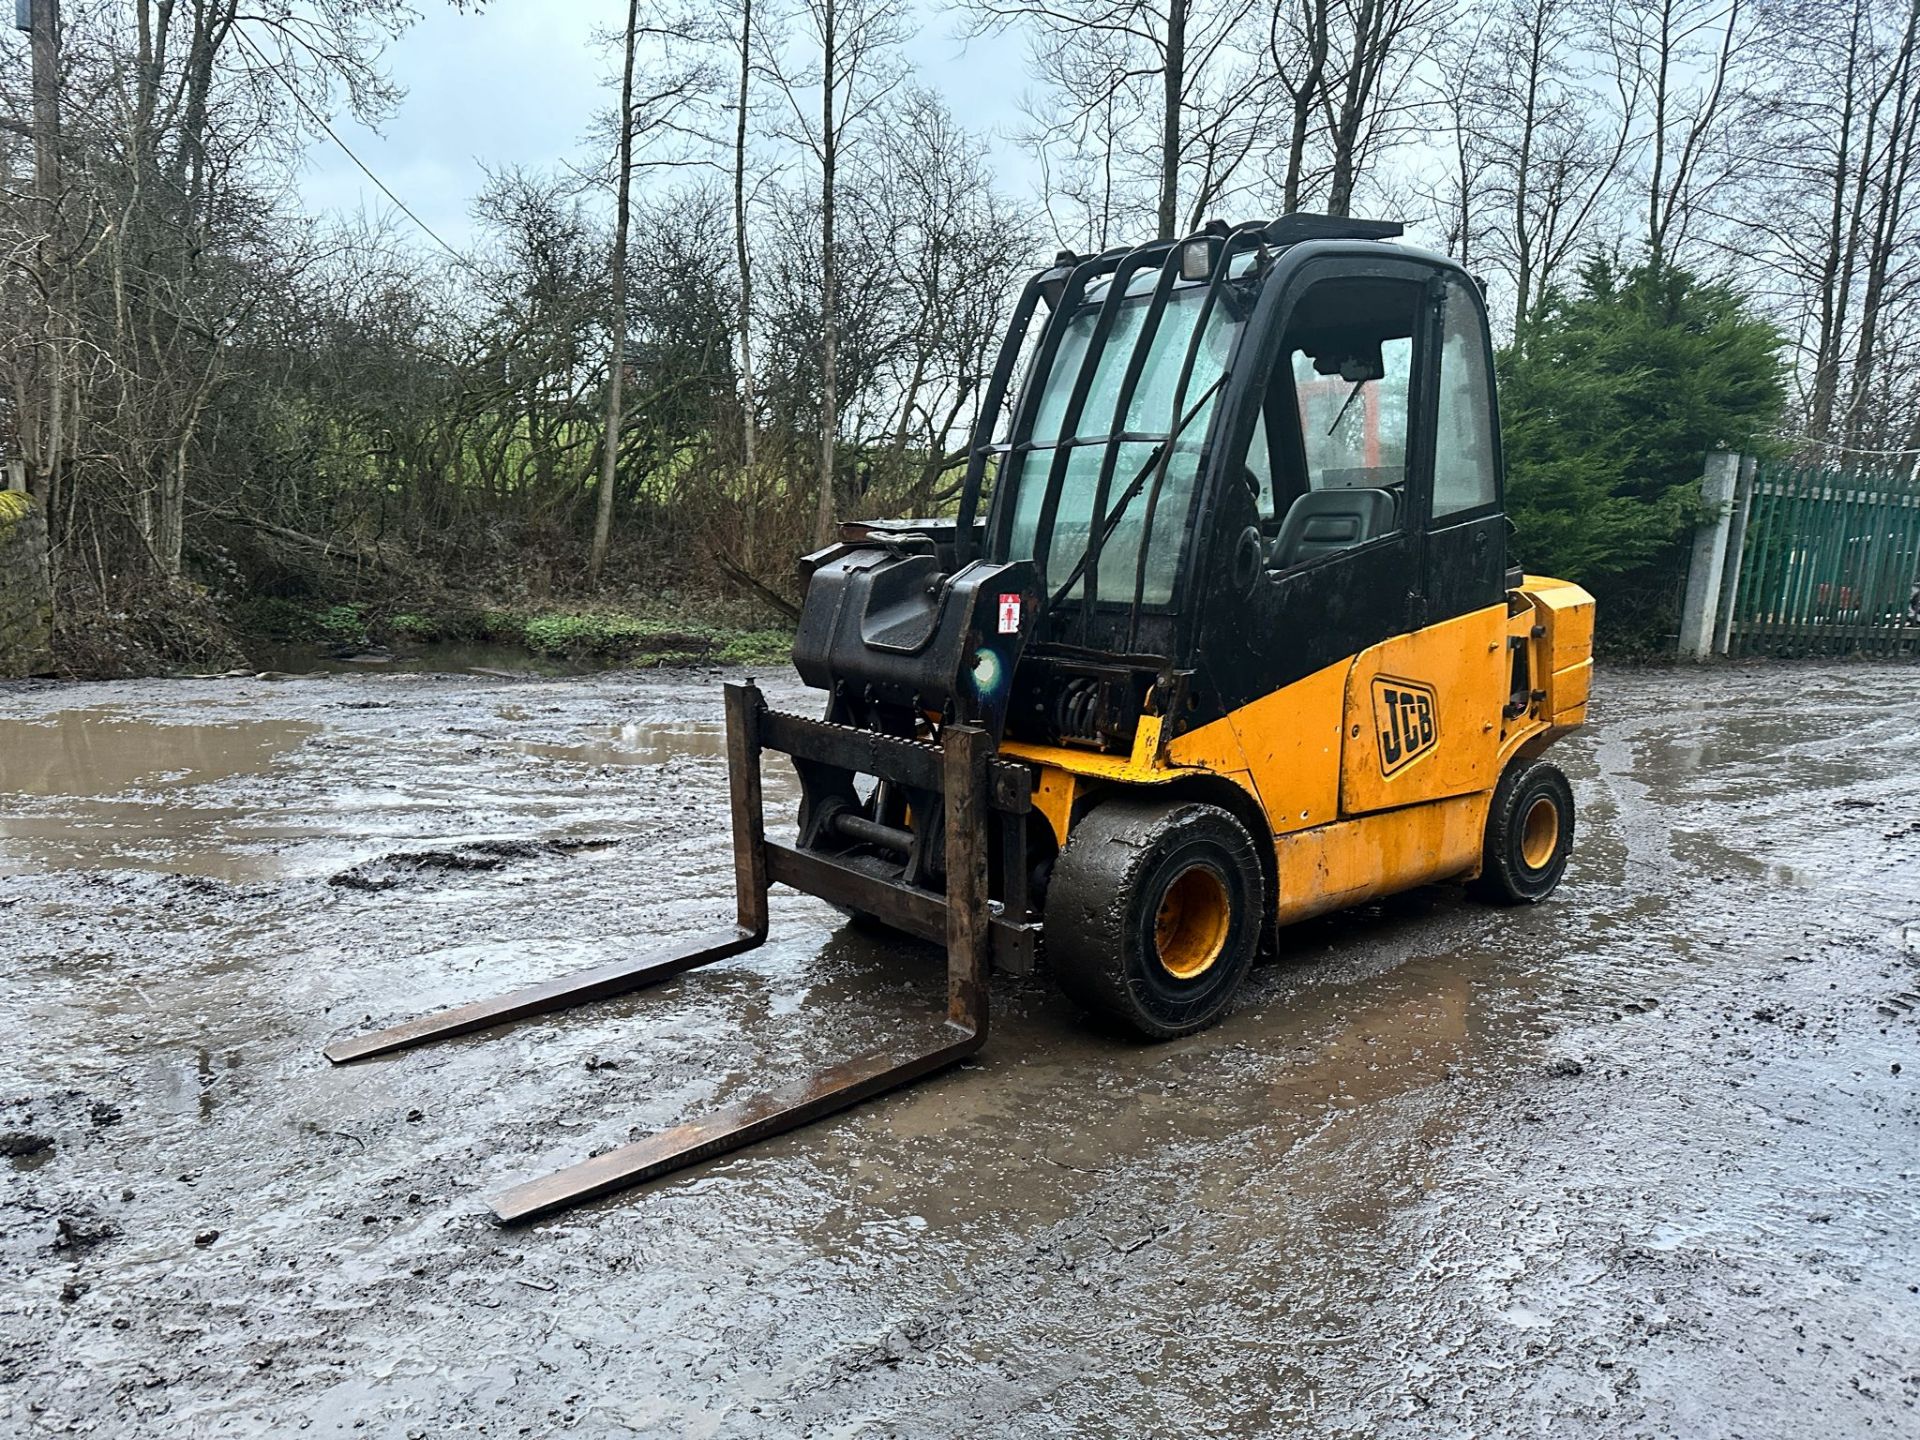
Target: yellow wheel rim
[1190, 930]
[1540, 833]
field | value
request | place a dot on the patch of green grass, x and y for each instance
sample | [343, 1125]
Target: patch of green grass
[295, 622]
[757, 647]
[671, 659]
[423, 628]
[503, 626]
[642, 640]
[341, 625]
[589, 634]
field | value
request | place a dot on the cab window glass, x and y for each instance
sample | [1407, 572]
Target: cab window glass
[1151, 414]
[1338, 415]
[1463, 452]
[1260, 470]
[1355, 430]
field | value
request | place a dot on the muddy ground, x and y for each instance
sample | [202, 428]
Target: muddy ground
[1642, 1161]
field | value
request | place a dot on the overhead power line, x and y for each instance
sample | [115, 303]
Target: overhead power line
[347, 150]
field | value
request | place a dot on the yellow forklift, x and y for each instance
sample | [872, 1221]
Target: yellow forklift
[1223, 635]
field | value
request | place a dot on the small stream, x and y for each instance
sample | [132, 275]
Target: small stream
[439, 658]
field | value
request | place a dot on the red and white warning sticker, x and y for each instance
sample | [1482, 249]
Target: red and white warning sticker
[1009, 614]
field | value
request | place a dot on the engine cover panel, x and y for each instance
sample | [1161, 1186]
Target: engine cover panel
[881, 622]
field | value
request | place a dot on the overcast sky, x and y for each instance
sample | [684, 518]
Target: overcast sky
[519, 83]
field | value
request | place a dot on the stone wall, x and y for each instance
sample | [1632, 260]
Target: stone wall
[26, 602]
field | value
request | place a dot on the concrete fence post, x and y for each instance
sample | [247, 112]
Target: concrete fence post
[1736, 553]
[1700, 609]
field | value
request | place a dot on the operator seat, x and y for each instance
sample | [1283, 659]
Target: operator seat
[1322, 521]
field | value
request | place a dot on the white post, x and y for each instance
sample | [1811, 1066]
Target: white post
[1736, 554]
[1701, 606]
[17, 476]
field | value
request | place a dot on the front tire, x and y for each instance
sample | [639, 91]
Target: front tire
[1153, 913]
[1529, 835]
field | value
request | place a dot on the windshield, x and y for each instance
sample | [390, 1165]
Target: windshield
[1150, 413]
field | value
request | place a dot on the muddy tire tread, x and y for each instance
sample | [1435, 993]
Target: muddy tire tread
[1094, 921]
[1505, 878]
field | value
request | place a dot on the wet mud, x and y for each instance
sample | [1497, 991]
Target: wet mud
[1644, 1160]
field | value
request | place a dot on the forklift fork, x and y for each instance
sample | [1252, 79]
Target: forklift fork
[962, 761]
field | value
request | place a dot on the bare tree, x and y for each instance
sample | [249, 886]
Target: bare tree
[1554, 134]
[943, 250]
[1823, 183]
[1177, 82]
[1377, 47]
[662, 111]
[743, 254]
[1347, 73]
[1299, 38]
[854, 44]
[617, 348]
[1457, 195]
[1681, 66]
[153, 241]
[1891, 178]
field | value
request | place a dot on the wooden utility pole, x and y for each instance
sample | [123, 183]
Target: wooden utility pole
[617, 351]
[43, 25]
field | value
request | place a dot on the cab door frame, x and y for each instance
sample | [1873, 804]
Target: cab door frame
[1464, 560]
[1250, 636]
[1422, 707]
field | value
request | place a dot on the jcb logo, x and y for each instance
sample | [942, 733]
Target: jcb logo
[1404, 719]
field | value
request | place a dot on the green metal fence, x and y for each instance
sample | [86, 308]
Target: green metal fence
[1829, 563]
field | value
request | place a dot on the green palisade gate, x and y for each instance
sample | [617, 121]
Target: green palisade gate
[1830, 563]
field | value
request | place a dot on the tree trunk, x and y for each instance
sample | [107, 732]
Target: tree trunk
[1835, 273]
[1305, 98]
[1523, 176]
[829, 299]
[1356, 96]
[189, 165]
[1296, 153]
[617, 350]
[169, 529]
[1340, 187]
[1891, 204]
[1176, 80]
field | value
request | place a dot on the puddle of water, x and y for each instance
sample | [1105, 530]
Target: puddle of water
[256, 800]
[190, 1089]
[129, 791]
[638, 744]
[157, 839]
[29, 1162]
[101, 753]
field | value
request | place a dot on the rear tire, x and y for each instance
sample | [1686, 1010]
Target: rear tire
[1529, 835]
[1153, 914]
